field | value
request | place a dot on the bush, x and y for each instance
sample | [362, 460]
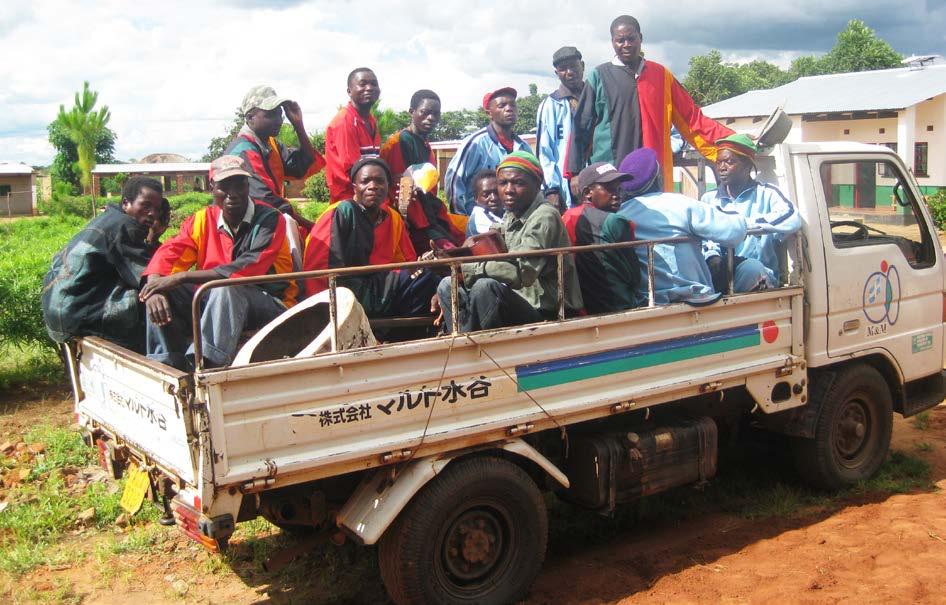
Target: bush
[937, 205]
[316, 188]
[26, 250]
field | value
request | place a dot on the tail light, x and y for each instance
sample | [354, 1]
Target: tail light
[188, 520]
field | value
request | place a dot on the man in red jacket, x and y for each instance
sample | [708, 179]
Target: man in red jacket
[233, 237]
[352, 133]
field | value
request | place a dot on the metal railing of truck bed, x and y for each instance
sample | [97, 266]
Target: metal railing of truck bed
[454, 263]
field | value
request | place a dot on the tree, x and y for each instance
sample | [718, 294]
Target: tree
[859, 49]
[85, 127]
[64, 168]
[528, 108]
[457, 124]
[709, 80]
[390, 121]
[219, 144]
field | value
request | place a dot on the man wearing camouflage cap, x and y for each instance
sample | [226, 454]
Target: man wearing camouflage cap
[270, 162]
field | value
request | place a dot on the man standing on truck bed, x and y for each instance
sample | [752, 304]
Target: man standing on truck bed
[91, 288]
[366, 231]
[233, 237]
[609, 278]
[631, 102]
[761, 204]
[484, 149]
[352, 133]
[270, 161]
[512, 292]
[554, 119]
[680, 273]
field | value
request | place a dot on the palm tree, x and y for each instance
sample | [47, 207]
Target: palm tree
[85, 126]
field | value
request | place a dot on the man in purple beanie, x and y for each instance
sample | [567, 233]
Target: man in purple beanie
[680, 273]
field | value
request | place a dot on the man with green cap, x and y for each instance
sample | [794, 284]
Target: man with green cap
[507, 293]
[761, 204]
[271, 162]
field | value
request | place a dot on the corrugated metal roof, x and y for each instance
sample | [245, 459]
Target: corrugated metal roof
[152, 168]
[6, 168]
[859, 91]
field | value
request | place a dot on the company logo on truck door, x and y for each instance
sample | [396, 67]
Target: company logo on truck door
[595, 365]
[881, 299]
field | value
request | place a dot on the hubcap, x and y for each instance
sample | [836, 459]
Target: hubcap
[851, 432]
[473, 544]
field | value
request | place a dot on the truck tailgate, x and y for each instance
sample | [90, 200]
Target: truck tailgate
[135, 401]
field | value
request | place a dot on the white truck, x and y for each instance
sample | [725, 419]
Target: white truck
[439, 449]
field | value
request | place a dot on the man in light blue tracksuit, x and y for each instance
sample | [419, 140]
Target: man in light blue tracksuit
[485, 148]
[761, 204]
[554, 124]
[680, 273]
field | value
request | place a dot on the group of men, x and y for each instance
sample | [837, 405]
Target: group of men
[602, 165]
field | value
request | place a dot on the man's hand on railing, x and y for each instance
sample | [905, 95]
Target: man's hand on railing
[436, 309]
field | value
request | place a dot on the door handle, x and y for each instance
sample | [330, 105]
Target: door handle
[851, 325]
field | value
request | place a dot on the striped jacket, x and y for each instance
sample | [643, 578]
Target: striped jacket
[345, 237]
[258, 248]
[480, 150]
[605, 127]
[272, 164]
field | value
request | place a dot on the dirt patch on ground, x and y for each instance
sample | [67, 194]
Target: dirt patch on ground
[871, 548]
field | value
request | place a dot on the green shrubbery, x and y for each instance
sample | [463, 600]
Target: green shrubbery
[937, 206]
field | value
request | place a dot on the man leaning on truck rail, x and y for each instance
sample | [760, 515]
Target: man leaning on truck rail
[680, 272]
[762, 205]
[513, 292]
[233, 237]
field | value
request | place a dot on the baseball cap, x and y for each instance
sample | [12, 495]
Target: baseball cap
[262, 97]
[565, 53]
[599, 172]
[506, 90]
[228, 165]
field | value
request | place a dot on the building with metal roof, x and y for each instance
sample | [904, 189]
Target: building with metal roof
[17, 190]
[903, 108]
[177, 177]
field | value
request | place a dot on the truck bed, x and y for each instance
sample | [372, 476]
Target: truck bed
[283, 422]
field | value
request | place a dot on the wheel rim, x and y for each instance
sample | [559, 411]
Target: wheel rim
[475, 548]
[854, 433]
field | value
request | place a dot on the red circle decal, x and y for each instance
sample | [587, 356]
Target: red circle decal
[769, 331]
[883, 266]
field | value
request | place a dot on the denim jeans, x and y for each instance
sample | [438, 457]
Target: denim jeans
[488, 304]
[226, 313]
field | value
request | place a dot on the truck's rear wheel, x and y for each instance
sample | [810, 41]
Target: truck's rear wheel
[852, 434]
[475, 534]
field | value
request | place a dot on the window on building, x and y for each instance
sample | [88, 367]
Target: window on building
[921, 153]
[5, 190]
[883, 169]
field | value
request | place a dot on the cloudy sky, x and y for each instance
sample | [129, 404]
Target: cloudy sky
[173, 71]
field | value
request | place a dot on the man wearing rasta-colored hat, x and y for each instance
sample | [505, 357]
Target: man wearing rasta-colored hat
[485, 148]
[761, 204]
[507, 293]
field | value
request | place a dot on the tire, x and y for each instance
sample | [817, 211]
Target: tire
[476, 533]
[852, 433]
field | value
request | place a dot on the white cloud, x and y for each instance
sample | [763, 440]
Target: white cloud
[172, 72]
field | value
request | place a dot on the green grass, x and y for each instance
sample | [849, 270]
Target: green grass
[42, 509]
[923, 446]
[29, 364]
[922, 421]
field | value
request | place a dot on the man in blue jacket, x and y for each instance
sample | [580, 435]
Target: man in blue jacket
[554, 124]
[763, 205]
[680, 272]
[485, 148]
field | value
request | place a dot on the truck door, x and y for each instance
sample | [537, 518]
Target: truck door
[882, 262]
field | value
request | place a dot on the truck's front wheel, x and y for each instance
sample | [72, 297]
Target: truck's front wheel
[852, 434]
[475, 534]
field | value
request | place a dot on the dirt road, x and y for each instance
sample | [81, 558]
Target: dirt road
[867, 547]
